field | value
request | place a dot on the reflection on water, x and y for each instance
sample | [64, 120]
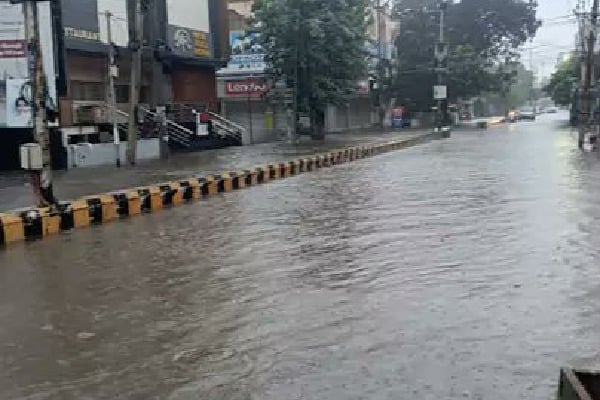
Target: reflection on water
[459, 269]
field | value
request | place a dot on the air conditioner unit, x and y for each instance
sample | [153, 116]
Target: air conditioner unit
[89, 114]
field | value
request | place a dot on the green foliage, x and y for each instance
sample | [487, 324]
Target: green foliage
[484, 37]
[521, 89]
[322, 42]
[561, 84]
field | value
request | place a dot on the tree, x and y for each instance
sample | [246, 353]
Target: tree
[562, 82]
[317, 46]
[483, 52]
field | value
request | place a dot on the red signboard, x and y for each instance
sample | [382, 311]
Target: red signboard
[13, 48]
[245, 88]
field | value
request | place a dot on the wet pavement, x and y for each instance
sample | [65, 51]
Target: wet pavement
[459, 269]
[15, 191]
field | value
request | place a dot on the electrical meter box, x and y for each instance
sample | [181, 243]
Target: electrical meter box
[31, 156]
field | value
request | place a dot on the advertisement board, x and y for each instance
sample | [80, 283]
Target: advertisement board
[14, 73]
[247, 54]
[84, 20]
[18, 105]
[246, 88]
[188, 42]
[188, 32]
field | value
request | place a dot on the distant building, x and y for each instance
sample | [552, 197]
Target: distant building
[186, 41]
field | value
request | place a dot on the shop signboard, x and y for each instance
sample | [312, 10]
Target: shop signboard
[15, 97]
[188, 31]
[189, 42]
[251, 87]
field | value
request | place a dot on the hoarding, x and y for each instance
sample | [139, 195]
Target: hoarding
[247, 54]
[246, 88]
[85, 20]
[14, 73]
[189, 42]
[189, 28]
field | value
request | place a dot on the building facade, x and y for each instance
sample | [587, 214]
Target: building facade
[185, 42]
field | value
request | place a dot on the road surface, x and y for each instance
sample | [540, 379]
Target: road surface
[460, 269]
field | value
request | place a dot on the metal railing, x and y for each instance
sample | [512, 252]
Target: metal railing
[175, 132]
[226, 128]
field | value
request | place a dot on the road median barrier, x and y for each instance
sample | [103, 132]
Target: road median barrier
[11, 229]
[251, 177]
[38, 223]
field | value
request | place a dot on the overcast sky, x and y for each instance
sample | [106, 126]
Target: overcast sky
[555, 37]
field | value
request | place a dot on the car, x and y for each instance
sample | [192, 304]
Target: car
[552, 110]
[526, 114]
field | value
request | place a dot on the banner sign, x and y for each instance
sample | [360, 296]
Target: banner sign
[246, 88]
[14, 48]
[189, 42]
[246, 52]
[14, 72]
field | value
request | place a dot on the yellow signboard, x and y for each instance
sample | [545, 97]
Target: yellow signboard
[201, 46]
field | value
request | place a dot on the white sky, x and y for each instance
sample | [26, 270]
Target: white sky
[191, 14]
[555, 37]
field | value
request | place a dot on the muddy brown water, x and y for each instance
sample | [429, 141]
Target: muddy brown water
[465, 268]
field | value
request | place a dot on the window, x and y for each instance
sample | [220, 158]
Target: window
[122, 93]
[88, 91]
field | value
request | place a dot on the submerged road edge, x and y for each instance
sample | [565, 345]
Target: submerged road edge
[38, 223]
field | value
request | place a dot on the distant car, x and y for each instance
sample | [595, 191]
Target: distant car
[526, 114]
[513, 116]
[552, 110]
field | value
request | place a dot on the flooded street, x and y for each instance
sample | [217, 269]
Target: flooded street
[464, 268]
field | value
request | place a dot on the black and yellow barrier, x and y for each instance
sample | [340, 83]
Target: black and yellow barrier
[223, 181]
[238, 180]
[190, 189]
[262, 174]
[38, 223]
[102, 208]
[284, 170]
[274, 171]
[251, 177]
[11, 229]
[150, 199]
[128, 203]
[170, 194]
[208, 185]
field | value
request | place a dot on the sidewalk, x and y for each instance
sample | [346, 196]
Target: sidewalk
[15, 191]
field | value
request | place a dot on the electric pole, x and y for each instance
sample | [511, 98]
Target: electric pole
[380, 109]
[112, 100]
[586, 107]
[441, 55]
[41, 179]
[134, 89]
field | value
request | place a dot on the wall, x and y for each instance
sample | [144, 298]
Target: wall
[194, 85]
[89, 155]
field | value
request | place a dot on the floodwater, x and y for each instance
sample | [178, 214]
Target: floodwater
[460, 269]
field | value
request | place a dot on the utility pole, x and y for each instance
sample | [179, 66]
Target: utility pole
[586, 107]
[41, 179]
[380, 109]
[134, 89]
[442, 55]
[112, 100]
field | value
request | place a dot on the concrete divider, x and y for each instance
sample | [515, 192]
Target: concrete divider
[36, 223]
[11, 229]
[128, 203]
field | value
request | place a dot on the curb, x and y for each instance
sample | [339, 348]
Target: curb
[38, 223]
